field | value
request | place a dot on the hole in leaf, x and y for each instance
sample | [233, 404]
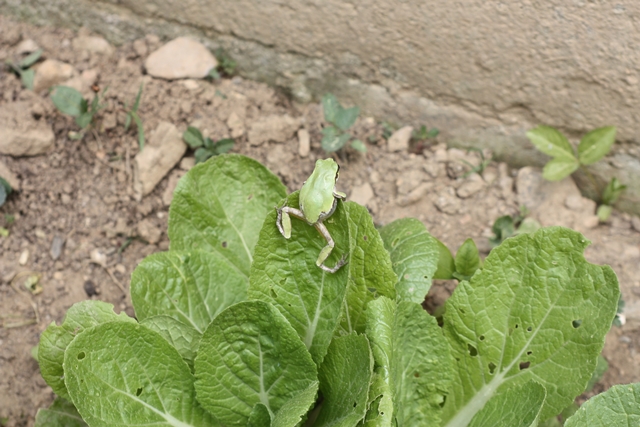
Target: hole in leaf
[355, 404]
[529, 329]
[516, 326]
[529, 353]
[444, 399]
[273, 293]
[492, 367]
[224, 244]
[394, 243]
[576, 323]
[417, 375]
[472, 350]
[524, 365]
[462, 311]
[139, 391]
[365, 238]
[481, 337]
[81, 355]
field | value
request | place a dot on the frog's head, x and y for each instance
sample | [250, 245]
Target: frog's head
[328, 169]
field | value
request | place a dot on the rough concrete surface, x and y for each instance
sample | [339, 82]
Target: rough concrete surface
[481, 72]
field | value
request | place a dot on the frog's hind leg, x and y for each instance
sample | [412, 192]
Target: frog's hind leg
[326, 251]
[283, 221]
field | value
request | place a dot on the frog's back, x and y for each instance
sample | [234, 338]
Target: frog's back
[316, 195]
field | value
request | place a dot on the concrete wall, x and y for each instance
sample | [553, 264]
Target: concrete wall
[483, 72]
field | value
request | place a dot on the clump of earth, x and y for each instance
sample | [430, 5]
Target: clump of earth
[86, 211]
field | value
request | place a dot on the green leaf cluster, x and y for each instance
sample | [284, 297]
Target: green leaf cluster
[237, 326]
[71, 102]
[205, 147]
[23, 68]
[335, 136]
[593, 147]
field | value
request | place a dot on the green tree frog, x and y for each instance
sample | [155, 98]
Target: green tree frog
[318, 201]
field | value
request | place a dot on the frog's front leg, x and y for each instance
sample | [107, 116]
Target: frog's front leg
[326, 251]
[283, 221]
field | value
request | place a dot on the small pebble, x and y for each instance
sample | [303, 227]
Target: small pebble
[56, 247]
[90, 288]
[24, 257]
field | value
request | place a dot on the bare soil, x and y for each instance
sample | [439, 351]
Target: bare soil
[80, 192]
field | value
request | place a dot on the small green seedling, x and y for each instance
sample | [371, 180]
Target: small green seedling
[205, 147]
[132, 114]
[610, 195]
[466, 262]
[24, 70]
[508, 226]
[335, 136]
[593, 147]
[226, 66]
[420, 137]
[479, 168]
[5, 190]
[69, 101]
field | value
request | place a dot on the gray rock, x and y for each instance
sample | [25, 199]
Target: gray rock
[554, 202]
[471, 186]
[362, 194]
[181, 58]
[50, 73]
[172, 182]
[148, 231]
[26, 46]
[273, 128]
[399, 140]
[9, 176]
[447, 202]
[304, 142]
[414, 195]
[93, 44]
[21, 134]
[56, 247]
[159, 156]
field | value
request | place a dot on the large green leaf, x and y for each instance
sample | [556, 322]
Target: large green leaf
[122, 374]
[559, 168]
[413, 359]
[181, 336]
[220, 205]
[284, 273]
[190, 286]
[536, 311]
[345, 375]
[61, 413]
[68, 100]
[371, 272]
[617, 407]
[517, 406]
[550, 141]
[250, 355]
[414, 256]
[55, 339]
[596, 144]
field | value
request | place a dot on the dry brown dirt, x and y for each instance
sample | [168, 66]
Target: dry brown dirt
[80, 192]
